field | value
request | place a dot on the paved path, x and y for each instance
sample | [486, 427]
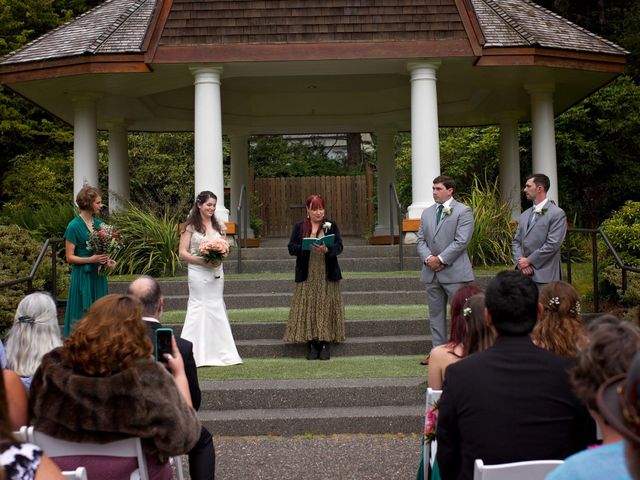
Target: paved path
[334, 457]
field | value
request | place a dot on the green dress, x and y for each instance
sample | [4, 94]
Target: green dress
[86, 285]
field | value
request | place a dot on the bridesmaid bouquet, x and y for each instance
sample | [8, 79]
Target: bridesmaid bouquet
[105, 240]
[214, 252]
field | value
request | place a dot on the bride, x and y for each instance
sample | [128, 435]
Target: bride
[206, 324]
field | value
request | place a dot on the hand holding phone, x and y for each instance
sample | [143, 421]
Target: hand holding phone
[164, 343]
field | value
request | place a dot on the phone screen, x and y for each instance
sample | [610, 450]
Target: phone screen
[163, 343]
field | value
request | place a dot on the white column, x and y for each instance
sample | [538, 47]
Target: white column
[209, 173]
[386, 175]
[239, 174]
[118, 166]
[85, 142]
[425, 148]
[543, 135]
[510, 164]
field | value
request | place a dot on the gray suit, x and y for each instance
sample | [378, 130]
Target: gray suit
[541, 241]
[448, 240]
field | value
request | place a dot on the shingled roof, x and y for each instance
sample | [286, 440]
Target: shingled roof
[120, 26]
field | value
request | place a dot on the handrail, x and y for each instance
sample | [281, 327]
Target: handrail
[243, 223]
[393, 198]
[594, 246]
[34, 269]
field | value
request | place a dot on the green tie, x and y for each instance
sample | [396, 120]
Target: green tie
[439, 213]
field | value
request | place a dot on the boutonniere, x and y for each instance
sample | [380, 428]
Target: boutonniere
[447, 210]
[540, 211]
[326, 226]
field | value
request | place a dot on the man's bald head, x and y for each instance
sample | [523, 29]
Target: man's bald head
[147, 290]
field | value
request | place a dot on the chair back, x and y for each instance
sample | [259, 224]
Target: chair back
[21, 435]
[127, 448]
[430, 448]
[531, 470]
[79, 473]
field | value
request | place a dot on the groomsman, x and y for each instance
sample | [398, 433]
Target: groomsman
[536, 246]
[445, 232]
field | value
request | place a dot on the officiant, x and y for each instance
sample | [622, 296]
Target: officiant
[316, 316]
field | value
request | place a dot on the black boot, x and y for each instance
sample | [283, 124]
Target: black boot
[313, 350]
[324, 351]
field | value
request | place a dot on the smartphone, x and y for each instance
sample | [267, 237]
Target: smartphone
[163, 343]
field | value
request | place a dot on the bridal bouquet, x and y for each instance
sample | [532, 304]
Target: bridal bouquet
[214, 252]
[106, 239]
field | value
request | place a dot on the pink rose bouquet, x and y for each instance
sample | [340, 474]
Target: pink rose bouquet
[106, 239]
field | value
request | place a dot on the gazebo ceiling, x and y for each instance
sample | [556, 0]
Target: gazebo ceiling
[130, 55]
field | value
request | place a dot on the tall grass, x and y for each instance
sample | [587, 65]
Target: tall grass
[492, 232]
[150, 243]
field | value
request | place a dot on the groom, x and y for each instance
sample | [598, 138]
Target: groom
[540, 233]
[445, 231]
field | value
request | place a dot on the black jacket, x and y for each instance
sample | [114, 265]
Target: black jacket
[302, 256]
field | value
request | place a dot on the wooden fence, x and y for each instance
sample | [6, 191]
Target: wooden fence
[281, 200]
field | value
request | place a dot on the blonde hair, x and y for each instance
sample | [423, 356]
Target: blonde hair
[34, 333]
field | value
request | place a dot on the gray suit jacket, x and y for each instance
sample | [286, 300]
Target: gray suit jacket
[541, 242]
[449, 239]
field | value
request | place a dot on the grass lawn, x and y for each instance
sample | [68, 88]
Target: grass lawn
[337, 367]
[280, 314]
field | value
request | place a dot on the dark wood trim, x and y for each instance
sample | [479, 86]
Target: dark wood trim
[471, 25]
[156, 27]
[552, 58]
[43, 70]
[311, 51]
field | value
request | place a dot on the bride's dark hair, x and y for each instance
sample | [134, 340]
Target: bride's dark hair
[194, 215]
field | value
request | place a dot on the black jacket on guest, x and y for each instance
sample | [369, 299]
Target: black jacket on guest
[302, 256]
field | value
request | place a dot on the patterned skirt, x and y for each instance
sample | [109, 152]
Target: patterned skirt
[317, 311]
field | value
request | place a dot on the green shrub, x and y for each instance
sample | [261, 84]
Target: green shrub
[46, 221]
[150, 243]
[623, 230]
[18, 253]
[492, 233]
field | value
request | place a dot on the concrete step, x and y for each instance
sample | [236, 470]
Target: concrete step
[353, 328]
[356, 346]
[350, 251]
[325, 393]
[371, 420]
[359, 264]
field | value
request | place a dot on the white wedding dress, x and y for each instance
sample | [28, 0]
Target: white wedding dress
[206, 324]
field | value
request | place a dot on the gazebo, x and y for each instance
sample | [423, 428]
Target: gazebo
[242, 68]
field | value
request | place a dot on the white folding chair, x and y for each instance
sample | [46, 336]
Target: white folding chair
[129, 448]
[531, 470]
[21, 435]
[430, 448]
[177, 463]
[79, 473]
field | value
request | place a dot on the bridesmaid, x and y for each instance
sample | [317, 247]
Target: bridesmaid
[86, 285]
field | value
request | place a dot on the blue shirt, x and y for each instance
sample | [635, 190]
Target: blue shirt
[606, 461]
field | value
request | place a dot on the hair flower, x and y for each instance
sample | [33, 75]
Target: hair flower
[466, 312]
[575, 309]
[554, 304]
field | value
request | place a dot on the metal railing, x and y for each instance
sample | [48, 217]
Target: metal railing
[243, 224]
[50, 242]
[394, 205]
[593, 233]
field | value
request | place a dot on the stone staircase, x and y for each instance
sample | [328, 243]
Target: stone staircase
[289, 407]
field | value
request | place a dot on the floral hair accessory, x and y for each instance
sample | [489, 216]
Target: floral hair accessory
[447, 210]
[554, 304]
[576, 308]
[466, 312]
[26, 319]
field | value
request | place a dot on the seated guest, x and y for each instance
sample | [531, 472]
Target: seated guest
[202, 456]
[512, 402]
[611, 346]
[444, 355]
[104, 385]
[559, 328]
[479, 335]
[17, 400]
[34, 333]
[617, 401]
[21, 461]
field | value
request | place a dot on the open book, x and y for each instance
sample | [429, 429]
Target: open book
[327, 240]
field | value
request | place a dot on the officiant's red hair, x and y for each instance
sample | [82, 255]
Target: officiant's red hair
[313, 202]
